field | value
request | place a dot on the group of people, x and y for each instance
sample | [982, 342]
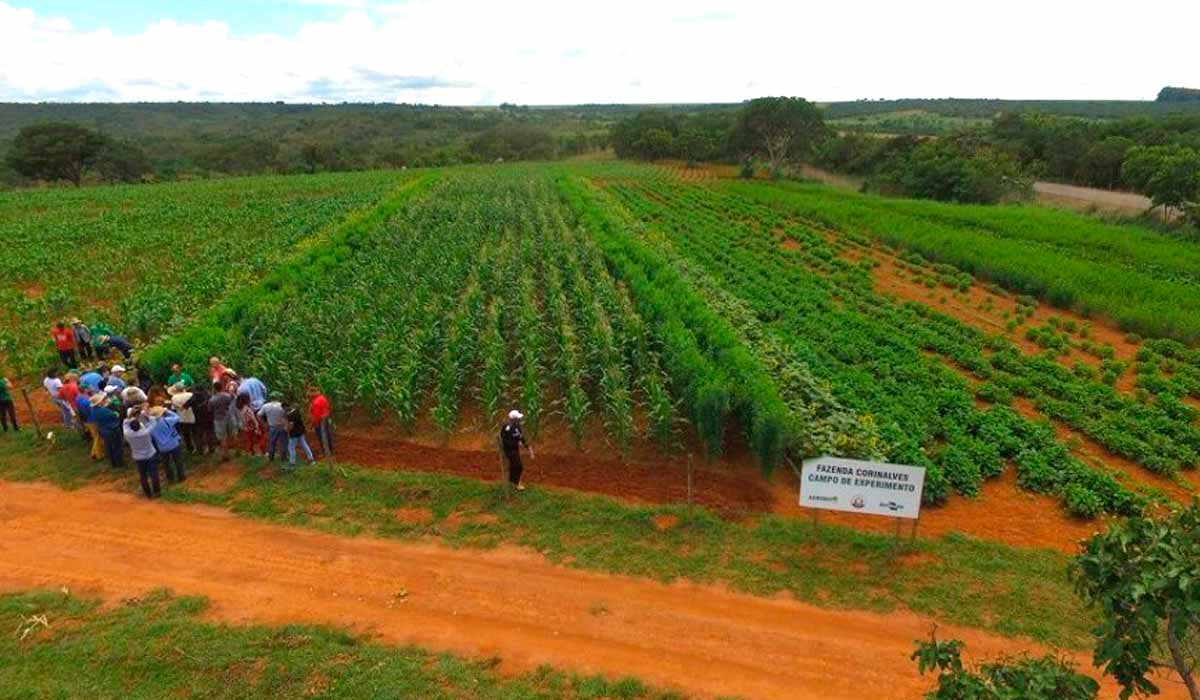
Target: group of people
[120, 410]
[75, 341]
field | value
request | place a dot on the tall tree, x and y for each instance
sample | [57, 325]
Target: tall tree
[1168, 175]
[1143, 576]
[779, 129]
[55, 151]
[122, 161]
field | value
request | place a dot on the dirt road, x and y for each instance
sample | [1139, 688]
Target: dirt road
[506, 603]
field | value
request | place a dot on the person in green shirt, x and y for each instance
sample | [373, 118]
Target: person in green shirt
[178, 376]
[8, 411]
[100, 330]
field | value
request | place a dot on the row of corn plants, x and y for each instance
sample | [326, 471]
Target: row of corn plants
[473, 287]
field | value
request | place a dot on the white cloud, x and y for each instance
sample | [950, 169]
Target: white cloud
[542, 52]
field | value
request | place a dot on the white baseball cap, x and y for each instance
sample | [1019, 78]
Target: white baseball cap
[118, 368]
[515, 415]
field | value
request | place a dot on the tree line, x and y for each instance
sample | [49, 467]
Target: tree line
[779, 132]
[80, 144]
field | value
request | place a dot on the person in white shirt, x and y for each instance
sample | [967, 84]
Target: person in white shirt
[53, 386]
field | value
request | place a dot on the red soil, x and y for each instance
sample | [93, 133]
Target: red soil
[701, 640]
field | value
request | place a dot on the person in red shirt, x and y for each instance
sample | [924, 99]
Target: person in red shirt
[218, 372]
[321, 414]
[64, 341]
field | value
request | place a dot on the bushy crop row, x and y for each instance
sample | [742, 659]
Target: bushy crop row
[876, 356]
[147, 259]
[1146, 282]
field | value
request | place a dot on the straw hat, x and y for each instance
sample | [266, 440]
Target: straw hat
[98, 398]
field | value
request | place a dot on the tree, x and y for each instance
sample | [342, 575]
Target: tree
[318, 155]
[950, 171]
[1101, 165]
[1168, 175]
[778, 128]
[1007, 679]
[55, 151]
[1143, 576]
[122, 161]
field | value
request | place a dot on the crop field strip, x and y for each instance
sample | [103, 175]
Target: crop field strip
[826, 296]
[1146, 282]
[148, 258]
[475, 289]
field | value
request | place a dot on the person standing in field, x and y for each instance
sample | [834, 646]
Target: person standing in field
[83, 339]
[139, 429]
[8, 411]
[277, 427]
[218, 372]
[53, 387]
[93, 378]
[252, 430]
[512, 436]
[88, 400]
[181, 400]
[69, 394]
[107, 419]
[322, 418]
[255, 390]
[178, 376]
[87, 429]
[116, 378]
[203, 432]
[168, 443]
[220, 406]
[64, 342]
[107, 343]
[297, 436]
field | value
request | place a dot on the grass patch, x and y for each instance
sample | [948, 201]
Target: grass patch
[955, 579]
[157, 647]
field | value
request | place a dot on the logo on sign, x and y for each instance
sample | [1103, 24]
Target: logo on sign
[891, 505]
[858, 502]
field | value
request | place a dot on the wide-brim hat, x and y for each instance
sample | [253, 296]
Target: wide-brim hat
[98, 399]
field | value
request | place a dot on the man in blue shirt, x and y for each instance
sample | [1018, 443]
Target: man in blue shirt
[256, 390]
[116, 378]
[169, 444]
[83, 409]
[93, 379]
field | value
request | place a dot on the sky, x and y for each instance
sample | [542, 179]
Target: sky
[456, 52]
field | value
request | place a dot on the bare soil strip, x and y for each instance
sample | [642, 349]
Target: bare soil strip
[506, 603]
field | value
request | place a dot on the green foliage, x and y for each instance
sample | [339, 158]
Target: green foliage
[1046, 678]
[779, 129]
[1147, 282]
[149, 259]
[55, 151]
[1143, 577]
[953, 171]
[1169, 175]
[660, 133]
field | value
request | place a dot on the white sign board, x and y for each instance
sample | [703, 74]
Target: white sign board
[855, 486]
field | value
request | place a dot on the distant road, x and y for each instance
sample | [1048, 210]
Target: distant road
[1088, 197]
[1049, 193]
